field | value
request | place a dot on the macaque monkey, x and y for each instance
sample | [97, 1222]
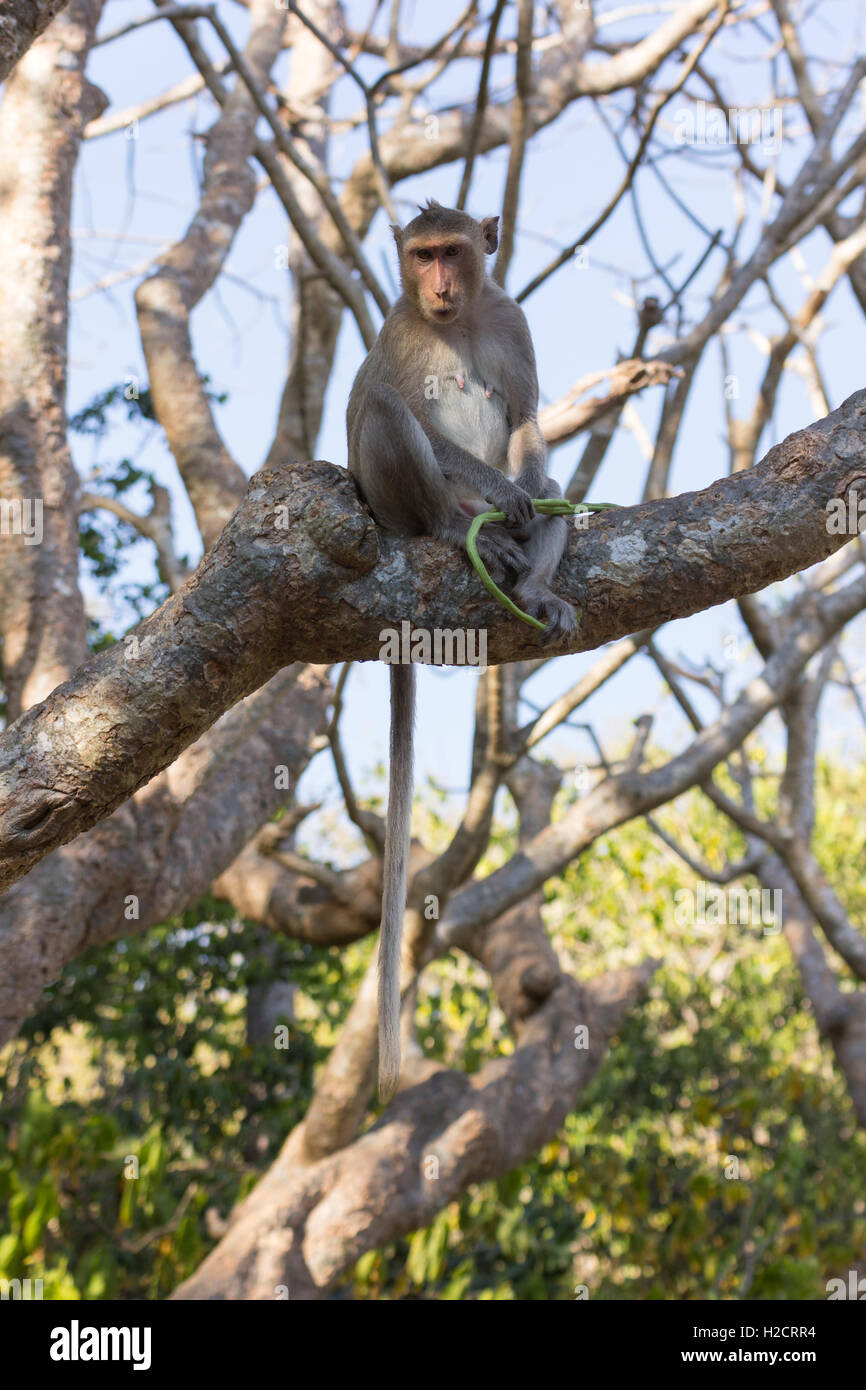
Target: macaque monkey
[441, 426]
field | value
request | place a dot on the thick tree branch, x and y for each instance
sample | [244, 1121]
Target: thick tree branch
[294, 577]
[562, 76]
[166, 845]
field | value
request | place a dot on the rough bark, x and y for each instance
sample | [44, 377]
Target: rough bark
[46, 104]
[318, 583]
[21, 23]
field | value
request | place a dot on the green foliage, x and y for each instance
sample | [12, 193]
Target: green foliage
[714, 1154]
[127, 1134]
[104, 539]
[95, 418]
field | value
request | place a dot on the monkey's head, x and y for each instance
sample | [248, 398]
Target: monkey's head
[442, 255]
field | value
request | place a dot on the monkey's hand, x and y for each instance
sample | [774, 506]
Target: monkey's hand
[507, 497]
[459, 466]
[535, 486]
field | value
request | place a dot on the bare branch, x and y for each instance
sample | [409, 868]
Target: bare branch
[171, 840]
[381, 177]
[47, 101]
[129, 115]
[156, 527]
[565, 418]
[624, 795]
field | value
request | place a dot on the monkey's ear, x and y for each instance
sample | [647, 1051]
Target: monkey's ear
[397, 233]
[490, 232]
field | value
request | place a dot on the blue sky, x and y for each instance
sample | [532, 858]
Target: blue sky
[135, 196]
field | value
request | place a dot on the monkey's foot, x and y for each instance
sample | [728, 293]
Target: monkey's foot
[558, 616]
[500, 554]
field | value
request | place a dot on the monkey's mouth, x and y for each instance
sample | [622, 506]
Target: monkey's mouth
[445, 311]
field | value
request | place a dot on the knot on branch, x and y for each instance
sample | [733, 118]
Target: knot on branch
[537, 982]
[92, 103]
[327, 503]
[343, 532]
[851, 481]
[34, 820]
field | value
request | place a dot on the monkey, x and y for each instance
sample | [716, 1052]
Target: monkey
[441, 425]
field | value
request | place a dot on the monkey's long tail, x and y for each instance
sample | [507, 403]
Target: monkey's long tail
[395, 874]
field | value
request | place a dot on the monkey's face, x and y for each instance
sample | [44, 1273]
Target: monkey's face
[441, 275]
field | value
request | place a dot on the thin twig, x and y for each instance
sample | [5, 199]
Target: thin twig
[480, 105]
[167, 12]
[315, 176]
[382, 185]
[330, 265]
[520, 121]
[371, 826]
[634, 163]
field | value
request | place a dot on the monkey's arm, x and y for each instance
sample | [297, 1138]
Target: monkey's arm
[527, 457]
[459, 465]
[527, 451]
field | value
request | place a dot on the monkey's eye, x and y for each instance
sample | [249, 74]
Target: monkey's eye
[452, 251]
[424, 254]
